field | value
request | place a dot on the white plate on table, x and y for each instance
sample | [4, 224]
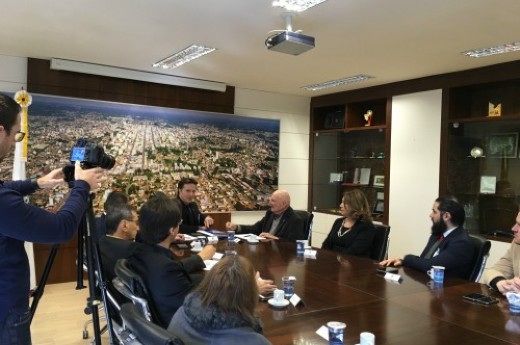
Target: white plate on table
[282, 304]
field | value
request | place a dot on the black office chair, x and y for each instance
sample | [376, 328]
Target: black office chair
[307, 220]
[482, 247]
[381, 242]
[137, 328]
[132, 286]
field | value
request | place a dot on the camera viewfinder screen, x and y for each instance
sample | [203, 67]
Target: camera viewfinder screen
[78, 153]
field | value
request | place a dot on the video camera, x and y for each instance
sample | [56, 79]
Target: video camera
[90, 155]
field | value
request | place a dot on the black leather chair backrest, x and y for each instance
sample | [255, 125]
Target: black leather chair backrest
[480, 255]
[146, 332]
[136, 286]
[381, 241]
[307, 220]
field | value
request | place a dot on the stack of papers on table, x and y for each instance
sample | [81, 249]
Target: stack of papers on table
[245, 237]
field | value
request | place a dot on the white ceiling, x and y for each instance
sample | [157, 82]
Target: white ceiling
[390, 40]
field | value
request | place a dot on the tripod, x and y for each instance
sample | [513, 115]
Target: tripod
[87, 235]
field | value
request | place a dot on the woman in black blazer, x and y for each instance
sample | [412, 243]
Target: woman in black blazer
[354, 232]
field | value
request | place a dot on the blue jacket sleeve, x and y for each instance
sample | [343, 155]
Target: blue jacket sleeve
[30, 223]
[24, 187]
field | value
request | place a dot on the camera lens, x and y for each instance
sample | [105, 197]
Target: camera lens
[107, 161]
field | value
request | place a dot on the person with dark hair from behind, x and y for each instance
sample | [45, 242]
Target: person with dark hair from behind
[23, 222]
[354, 232]
[504, 276]
[114, 198]
[279, 221]
[449, 244]
[192, 219]
[122, 226]
[221, 310]
[168, 280]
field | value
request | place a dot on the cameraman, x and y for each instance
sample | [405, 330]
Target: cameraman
[21, 222]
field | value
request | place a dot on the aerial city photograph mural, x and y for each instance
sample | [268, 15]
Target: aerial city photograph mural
[234, 158]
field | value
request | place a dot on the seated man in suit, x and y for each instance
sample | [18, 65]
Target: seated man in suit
[114, 198]
[504, 276]
[449, 244]
[279, 221]
[168, 280]
[192, 219]
[121, 224]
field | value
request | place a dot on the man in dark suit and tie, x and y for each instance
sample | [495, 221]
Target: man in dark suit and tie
[449, 244]
[279, 221]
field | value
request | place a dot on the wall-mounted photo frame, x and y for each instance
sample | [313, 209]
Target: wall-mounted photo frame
[503, 145]
[379, 180]
[155, 147]
[379, 207]
[488, 184]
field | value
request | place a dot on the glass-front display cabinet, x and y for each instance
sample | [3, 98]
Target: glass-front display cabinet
[483, 164]
[350, 150]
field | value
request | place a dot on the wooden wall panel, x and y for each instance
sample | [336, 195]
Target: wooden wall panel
[41, 79]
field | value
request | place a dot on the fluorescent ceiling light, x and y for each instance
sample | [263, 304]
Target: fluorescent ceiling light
[186, 55]
[338, 82]
[501, 49]
[116, 72]
[297, 5]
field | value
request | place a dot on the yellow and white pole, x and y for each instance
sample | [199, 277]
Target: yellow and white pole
[24, 99]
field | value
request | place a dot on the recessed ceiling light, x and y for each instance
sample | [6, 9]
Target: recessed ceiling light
[501, 49]
[338, 82]
[297, 5]
[186, 55]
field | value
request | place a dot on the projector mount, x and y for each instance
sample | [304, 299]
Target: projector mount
[287, 17]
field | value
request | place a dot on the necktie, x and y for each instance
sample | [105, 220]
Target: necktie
[434, 248]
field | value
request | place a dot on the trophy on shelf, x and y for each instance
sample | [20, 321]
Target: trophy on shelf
[495, 110]
[368, 118]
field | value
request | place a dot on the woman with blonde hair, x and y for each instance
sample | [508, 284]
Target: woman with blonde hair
[222, 309]
[354, 232]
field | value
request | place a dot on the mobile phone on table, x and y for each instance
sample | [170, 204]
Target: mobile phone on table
[265, 297]
[480, 298]
[385, 270]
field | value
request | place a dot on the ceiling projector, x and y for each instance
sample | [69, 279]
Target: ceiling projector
[290, 42]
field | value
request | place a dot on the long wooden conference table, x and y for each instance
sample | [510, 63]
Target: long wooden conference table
[338, 287]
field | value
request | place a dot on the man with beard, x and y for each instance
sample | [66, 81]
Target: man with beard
[504, 276]
[449, 244]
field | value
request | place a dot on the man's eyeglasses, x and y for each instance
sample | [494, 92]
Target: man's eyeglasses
[18, 136]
